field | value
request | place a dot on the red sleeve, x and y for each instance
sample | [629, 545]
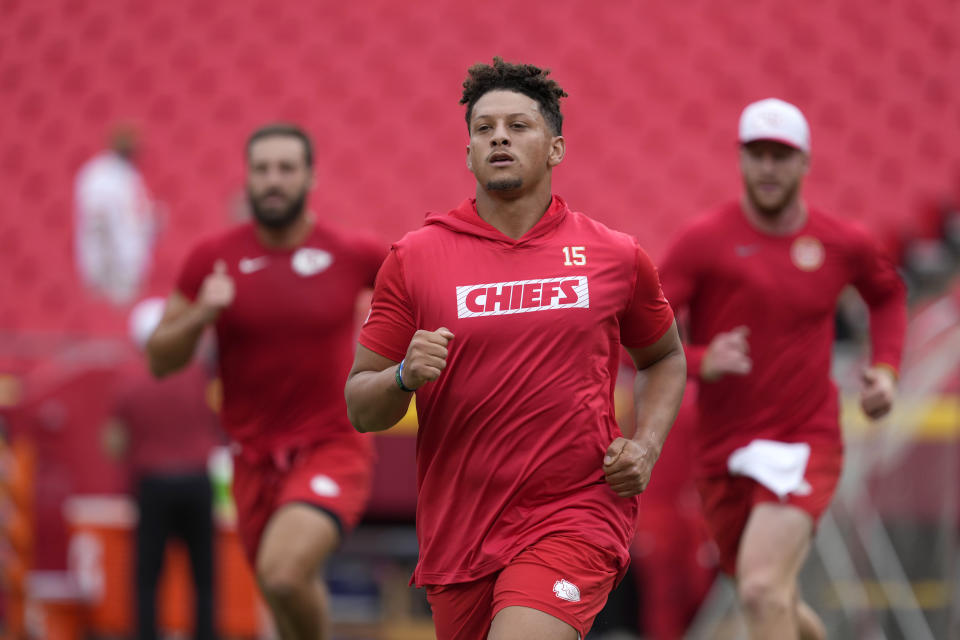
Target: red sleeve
[881, 287]
[390, 325]
[679, 275]
[197, 266]
[372, 253]
[648, 316]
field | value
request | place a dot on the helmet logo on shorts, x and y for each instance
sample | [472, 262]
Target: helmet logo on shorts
[566, 591]
[324, 486]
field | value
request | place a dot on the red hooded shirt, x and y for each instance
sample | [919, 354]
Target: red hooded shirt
[513, 433]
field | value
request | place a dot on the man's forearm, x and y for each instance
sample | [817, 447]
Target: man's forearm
[374, 401]
[888, 322]
[658, 391]
[172, 345]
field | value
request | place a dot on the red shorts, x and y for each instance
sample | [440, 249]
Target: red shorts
[728, 500]
[332, 476]
[566, 578]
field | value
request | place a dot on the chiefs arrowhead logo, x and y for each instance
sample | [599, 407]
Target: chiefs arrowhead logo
[566, 591]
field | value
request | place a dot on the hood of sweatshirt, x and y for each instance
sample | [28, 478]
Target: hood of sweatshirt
[465, 219]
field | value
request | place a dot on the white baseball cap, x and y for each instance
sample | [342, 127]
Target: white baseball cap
[143, 319]
[774, 119]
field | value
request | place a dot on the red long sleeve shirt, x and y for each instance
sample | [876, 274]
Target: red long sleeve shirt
[725, 273]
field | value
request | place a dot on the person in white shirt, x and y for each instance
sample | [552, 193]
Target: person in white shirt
[115, 221]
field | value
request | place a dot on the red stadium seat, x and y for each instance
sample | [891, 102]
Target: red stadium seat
[655, 91]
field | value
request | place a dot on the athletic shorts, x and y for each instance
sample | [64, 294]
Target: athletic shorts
[334, 477]
[564, 577]
[728, 500]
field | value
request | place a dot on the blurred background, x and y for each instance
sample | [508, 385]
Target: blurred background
[173, 89]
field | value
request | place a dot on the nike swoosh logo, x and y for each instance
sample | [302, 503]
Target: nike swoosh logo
[249, 265]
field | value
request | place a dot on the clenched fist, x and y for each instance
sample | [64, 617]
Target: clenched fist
[216, 292]
[878, 392]
[627, 466]
[727, 354]
[426, 357]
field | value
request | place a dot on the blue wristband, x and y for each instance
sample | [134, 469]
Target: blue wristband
[399, 378]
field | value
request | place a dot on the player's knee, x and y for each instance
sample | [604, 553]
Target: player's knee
[762, 598]
[282, 581]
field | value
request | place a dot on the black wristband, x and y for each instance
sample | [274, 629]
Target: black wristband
[399, 378]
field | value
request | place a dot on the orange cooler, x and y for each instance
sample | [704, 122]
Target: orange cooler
[101, 559]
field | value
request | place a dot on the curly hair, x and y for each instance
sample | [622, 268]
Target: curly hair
[527, 79]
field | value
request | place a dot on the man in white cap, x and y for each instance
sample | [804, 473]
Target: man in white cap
[759, 280]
